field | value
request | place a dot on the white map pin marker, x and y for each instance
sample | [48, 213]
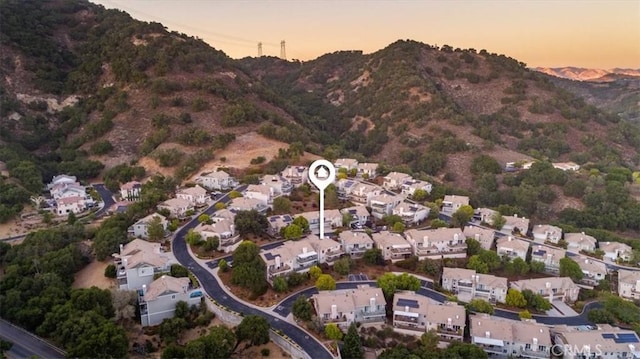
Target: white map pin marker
[322, 173]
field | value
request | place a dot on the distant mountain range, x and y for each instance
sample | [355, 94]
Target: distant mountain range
[584, 74]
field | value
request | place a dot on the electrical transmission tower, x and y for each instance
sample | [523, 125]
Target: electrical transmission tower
[259, 49]
[283, 53]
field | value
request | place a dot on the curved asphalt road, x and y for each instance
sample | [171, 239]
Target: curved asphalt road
[212, 287]
[107, 198]
[27, 345]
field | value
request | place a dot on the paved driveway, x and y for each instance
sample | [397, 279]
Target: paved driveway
[563, 308]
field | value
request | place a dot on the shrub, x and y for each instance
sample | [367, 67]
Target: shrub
[265, 352]
[110, 271]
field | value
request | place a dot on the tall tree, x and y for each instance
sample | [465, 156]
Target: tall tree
[462, 216]
[301, 308]
[570, 268]
[325, 282]
[352, 347]
[253, 328]
[155, 230]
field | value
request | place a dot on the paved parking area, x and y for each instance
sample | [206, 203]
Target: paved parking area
[212, 264]
[358, 277]
[563, 308]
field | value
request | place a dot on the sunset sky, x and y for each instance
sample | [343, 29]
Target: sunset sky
[542, 33]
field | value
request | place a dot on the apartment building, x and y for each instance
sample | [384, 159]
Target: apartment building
[416, 314]
[549, 256]
[437, 243]
[138, 261]
[512, 247]
[468, 284]
[552, 288]
[363, 304]
[394, 247]
[502, 337]
[355, 243]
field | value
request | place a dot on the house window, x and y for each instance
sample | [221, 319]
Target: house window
[173, 296]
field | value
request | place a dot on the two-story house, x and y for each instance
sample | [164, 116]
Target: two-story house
[394, 247]
[367, 170]
[355, 243]
[409, 187]
[416, 314]
[66, 205]
[328, 249]
[247, 204]
[61, 180]
[605, 342]
[345, 186]
[140, 229]
[502, 337]
[359, 214]
[547, 233]
[177, 207]
[512, 247]
[277, 223]
[484, 236]
[594, 271]
[452, 203]
[130, 191]
[138, 262]
[614, 251]
[383, 205]
[411, 213]
[346, 163]
[577, 242]
[363, 304]
[515, 224]
[468, 284]
[296, 175]
[225, 230]
[548, 255]
[394, 180]
[196, 195]
[263, 193]
[629, 284]
[281, 186]
[552, 288]
[65, 190]
[158, 300]
[362, 193]
[437, 243]
[332, 220]
[217, 180]
[485, 215]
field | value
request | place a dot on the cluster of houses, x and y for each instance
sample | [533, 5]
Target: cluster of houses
[68, 196]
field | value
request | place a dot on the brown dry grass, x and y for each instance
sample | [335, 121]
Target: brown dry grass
[93, 275]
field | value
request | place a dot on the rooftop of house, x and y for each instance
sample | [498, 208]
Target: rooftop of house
[149, 218]
[455, 199]
[614, 246]
[166, 285]
[294, 171]
[470, 275]
[606, 338]
[397, 177]
[69, 200]
[356, 211]
[193, 191]
[260, 188]
[176, 203]
[408, 301]
[547, 229]
[442, 313]
[289, 250]
[346, 162]
[490, 327]
[348, 300]
[350, 238]
[139, 252]
[223, 214]
[385, 199]
[415, 183]
[588, 265]
[543, 252]
[516, 221]
[216, 174]
[244, 203]
[131, 185]
[579, 238]
[324, 244]
[486, 212]
[219, 227]
[484, 236]
[408, 208]
[329, 214]
[512, 243]
[628, 276]
[365, 188]
[387, 239]
[367, 166]
[280, 220]
[537, 284]
[434, 235]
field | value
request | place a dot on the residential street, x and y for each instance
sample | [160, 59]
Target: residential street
[27, 345]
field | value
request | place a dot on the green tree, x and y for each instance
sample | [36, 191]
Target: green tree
[536, 267]
[373, 256]
[517, 267]
[254, 328]
[473, 247]
[315, 272]
[498, 220]
[234, 194]
[438, 223]
[462, 216]
[219, 343]
[398, 227]
[193, 238]
[332, 331]
[248, 268]
[480, 306]
[491, 258]
[204, 218]
[325, 282]
[352, 347]
[155, 229]
[347, 218]
[515, 299]
[110, 271]
[464, 350]
[281, 205]
[391, 219]
[178, 271]
[223, 265]
[220, 206]
[301, 308]
[280, 285]
[342, 266]
[71, 218]
[252, 221]
[171, 329]
[302, 223]
[601, 316]
[292, 231]
[477, 264]
[525, 314]
[570, 268]
[430, 340]
[390, 283]
[420, 195]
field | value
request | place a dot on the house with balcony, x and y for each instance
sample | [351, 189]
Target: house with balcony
[177, 207]
[577, 242]
[468, 284]
[66, 205]
[247, 204]
[263, 193]
[67, 190]
[291, 256]
[367, 170]
[501, 337]
[437, 243]
[296, 175]
[223, 214]
[394, 247]
[594, 271]
[140, 229]
[547, 233]
[359, 214]
[158, 300]
[281, 186]
[362, 193]
[328, 249]
[138, 261]
[411, 213]
[548, 255]
[196, 195]
[61, 180]
[552, 288]
[364, 304]
[394, 180]
[332, 220]
[345, 186]
[512, 247]
[228, 237]
[605, 342]
[485, 215]
[130, 191]
[416, 314]
[515, 224]
[615, 251]
[452, 203]
[355, 243]
[346, 163]
[484, 236]
[629, 284]
[277, 223]
[383, 205]
[217, 180]
[409, 187]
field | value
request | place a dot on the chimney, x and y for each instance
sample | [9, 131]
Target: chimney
[304, 250]
[144, 289]
[515, 215]
[456, 237]
[534, 347]
[426, 241]
[547, 285]
[487, 334]
[449, 322]
[121, 248]
[510, 238]
[477, 236]
[406, 308]
[278, 262]
[233, 229]
[334, 311]
[372, 304]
